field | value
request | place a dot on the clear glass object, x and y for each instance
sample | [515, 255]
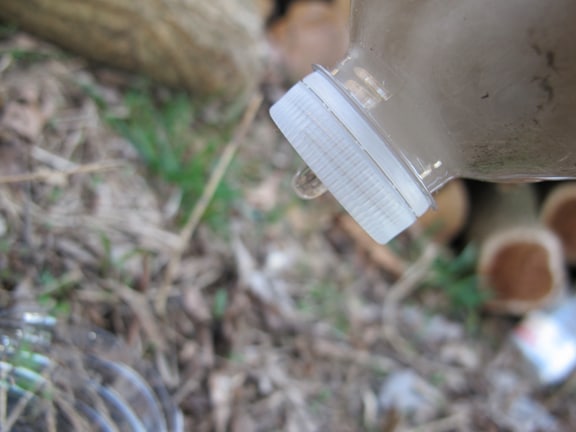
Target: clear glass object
[432, 90]
[74, 378]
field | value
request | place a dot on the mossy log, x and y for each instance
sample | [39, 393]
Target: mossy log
[207, 47]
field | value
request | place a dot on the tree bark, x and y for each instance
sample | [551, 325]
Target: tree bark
[209, 47]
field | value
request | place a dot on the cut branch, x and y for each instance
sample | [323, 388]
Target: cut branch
[521, 261]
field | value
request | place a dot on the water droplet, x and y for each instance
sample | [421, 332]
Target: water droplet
[307, 185]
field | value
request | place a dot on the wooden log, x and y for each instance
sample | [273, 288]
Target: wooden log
[520, 261]
[312, 32]
[207, 47]
[559, 214]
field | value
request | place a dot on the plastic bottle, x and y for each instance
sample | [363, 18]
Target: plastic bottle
[547, 342]
[431, 90]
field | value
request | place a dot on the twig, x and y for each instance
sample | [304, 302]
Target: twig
[345, 353]
[138, 302]
[54, 161]
[453, 422]
[405, 286]
[149, 234]
[202, 204]
[47, 175]
[409, 281]
[5, 62]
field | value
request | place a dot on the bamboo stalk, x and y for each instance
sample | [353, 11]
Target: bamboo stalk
[520, 261]
[559, 214]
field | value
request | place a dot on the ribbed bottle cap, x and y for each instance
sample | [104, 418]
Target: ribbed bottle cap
[350, 157]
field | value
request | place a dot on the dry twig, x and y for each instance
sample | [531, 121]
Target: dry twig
[345, 353]
[456, 421]
[139, 305]
[409, 281]
[58, 176]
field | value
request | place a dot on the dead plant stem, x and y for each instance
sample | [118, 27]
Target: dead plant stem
[411, 279]
[453, 422]
[57, 175]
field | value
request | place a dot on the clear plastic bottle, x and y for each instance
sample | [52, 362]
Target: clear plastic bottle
[436, 89]
[55, 376]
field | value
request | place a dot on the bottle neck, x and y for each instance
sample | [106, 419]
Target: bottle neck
[388, 160]
[380, 94]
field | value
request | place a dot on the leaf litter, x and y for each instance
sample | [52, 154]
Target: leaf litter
[288, 321]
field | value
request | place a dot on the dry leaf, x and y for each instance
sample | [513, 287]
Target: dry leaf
[24, 120]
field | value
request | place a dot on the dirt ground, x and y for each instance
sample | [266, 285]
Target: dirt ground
[261, 313]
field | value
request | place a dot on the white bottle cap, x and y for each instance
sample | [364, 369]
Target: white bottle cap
[353, 161]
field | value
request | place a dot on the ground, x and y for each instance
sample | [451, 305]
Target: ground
[135, 209]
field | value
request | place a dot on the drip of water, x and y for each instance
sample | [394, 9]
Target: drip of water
[307, 185]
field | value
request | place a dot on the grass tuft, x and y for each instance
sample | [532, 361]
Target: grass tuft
[457, 278]
[178, 148]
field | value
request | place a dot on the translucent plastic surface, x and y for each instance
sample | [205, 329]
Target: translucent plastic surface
[307, 185]
[76, 379]
[474, 88]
